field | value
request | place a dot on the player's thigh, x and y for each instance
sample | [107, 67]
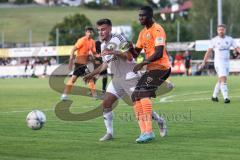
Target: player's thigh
[115, 88]
[129, 85]
[74, 78]
[222, 70]
[149, 83]
[154, 78]
[79, 70]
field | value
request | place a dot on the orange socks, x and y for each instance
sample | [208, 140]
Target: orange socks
[143, 112]
[92, 87]
[139, 116]
[147, 112]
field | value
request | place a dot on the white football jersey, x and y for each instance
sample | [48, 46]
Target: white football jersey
[118, 67]
[221, 47]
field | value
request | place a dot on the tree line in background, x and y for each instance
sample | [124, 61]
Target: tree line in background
[195, 25]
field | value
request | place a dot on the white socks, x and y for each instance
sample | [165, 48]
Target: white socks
[224, 90]
[216, 90]
[155, 116]
[108, 121]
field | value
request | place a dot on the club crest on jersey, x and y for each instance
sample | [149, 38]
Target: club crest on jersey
[111, 46]
[148, 36]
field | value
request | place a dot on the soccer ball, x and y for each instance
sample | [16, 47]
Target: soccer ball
[35, 119]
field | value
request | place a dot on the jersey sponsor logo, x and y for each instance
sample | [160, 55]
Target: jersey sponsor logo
[159, 40]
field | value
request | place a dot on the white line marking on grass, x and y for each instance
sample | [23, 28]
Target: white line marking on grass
[167, 99]
[44, 110]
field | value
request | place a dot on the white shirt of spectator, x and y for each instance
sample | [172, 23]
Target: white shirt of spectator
[221, 47]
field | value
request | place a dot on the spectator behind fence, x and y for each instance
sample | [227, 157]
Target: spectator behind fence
[187, 62]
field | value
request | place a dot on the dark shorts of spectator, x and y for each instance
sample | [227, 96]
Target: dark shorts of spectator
[148, 84]
[187, 65]
[80, 70]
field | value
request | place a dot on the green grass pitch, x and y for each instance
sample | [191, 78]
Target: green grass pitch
[198, 128]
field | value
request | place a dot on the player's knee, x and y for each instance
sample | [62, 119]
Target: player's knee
[135, 97]
[70, 82]
[106, 104]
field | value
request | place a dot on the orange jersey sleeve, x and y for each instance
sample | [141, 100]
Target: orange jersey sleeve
[159, 36]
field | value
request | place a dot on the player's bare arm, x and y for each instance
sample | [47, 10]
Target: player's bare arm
[72, 57]
[135, 52]
[123, 55]
[98, 70]
[207, 54]
[237, 50]
[157, 55]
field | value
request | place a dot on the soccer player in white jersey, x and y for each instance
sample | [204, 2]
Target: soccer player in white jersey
[221, 45]
[121, 64]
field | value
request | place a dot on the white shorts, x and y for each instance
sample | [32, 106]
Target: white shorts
[119, 87]
[90, 66]
[222, 70]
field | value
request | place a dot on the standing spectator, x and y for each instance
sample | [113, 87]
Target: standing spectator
[187, 61]
[26, 64]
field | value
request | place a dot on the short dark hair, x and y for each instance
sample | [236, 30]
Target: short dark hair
[148, 9]
[104, 21]
[88, 28]
[221, 25]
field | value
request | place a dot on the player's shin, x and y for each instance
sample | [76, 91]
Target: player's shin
[147, 112]
[108, 121]
[139, 116]
[224, 90]
[216, 90]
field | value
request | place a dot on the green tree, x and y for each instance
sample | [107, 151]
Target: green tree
[170, 28]
[231, 16]
[70, 29]
[200, 15]
[136, 27]
[204, 10]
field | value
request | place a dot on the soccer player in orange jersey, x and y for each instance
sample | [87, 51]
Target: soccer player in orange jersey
[85, 50]
[152, 39]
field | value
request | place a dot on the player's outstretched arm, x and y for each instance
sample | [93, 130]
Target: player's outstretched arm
[157, 55]
[135, 51]
[98, 70]
[72, 57]
[206, 56]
